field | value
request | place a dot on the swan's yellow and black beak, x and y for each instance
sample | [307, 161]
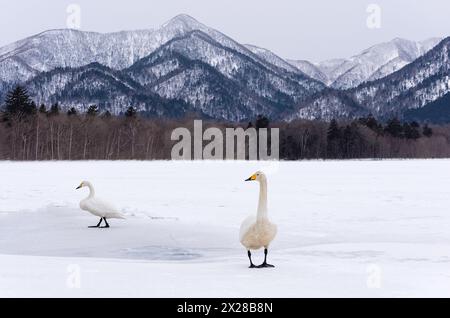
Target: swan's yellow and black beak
[79, 187]
[252, 178]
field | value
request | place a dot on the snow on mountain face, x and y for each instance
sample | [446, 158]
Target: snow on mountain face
[187, 66]
[259, 84]
[95, 84]
[72, 48]
[174, 76]
[219, 80]
[417, 84]
[210, 94]
[414, 86]
[183, 25]
[272, 58]
[310, 69]
[215, 80]
[328, 105]
[371, 64]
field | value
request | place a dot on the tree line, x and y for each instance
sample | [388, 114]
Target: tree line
[31, 132]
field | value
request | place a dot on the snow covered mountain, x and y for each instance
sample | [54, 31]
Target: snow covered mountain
[95, 84]
[413, 87]
[182, 60]
[310, 69]
[220, 81]
[373, 63]
[272, 58]
[186, 66]
[72, 48]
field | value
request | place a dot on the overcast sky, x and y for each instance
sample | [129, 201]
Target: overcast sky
[314, 30]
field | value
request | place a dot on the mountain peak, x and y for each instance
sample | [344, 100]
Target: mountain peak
[398, 39]
[183, 21]
[184, 17]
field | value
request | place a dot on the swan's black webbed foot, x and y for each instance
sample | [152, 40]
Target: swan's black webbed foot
[96, 226]
[106, 224]
[264, 265]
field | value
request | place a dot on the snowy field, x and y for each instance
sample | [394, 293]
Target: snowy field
[353, 228]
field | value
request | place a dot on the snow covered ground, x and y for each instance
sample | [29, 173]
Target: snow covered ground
[345, 228]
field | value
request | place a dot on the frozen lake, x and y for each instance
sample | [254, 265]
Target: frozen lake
[345, 228]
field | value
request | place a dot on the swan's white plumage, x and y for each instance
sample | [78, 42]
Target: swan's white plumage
[100, 208]
[255, 234]
[245, 226]
[97, 206]
[257, 231]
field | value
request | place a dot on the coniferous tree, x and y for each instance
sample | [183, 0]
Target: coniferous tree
[131, 112]
[54, 110]
[372, 123]
[31, 109]
[414, 124]
[427, 131]
[92, 111]
[394, 128]
[18, 103]
[333, 139]
[334, 131]
[347, 141]
[261, 122]
[410, 131]
[72, 112]
[43, 109]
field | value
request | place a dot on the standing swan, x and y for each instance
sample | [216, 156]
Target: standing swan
[97, 207]
[257, 232]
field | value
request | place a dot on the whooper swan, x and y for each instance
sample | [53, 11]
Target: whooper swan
[97, 207]
[257, 231]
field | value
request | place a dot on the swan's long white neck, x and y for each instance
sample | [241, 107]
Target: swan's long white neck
[262, 203]
[91, 190]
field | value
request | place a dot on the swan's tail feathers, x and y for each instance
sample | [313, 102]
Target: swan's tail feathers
[116, 215]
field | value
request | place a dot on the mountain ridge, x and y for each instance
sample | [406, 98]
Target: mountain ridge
[414, 86]
[370, 64]
[186, 66]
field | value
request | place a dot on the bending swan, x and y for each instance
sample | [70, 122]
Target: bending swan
[97, 207]
[257, 232]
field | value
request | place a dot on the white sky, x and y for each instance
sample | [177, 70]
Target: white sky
[314, 30]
